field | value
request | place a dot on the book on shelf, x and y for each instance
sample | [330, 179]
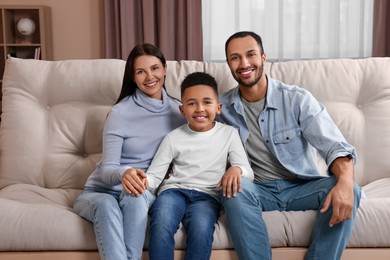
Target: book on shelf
[37, 55]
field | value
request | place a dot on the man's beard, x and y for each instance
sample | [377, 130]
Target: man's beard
[251, 83]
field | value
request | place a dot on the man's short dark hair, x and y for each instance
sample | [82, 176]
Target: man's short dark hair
[243, 34]
[199, 78]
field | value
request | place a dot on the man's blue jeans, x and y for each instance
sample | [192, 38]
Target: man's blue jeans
[249, 232]
[119, 221]
[197, 211]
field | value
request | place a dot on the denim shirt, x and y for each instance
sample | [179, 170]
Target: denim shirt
[293, 125]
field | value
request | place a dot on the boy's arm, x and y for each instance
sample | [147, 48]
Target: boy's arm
[231, 182]
[160, 164]
[240, 167]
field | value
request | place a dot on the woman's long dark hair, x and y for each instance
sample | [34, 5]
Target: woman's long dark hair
[128, 85]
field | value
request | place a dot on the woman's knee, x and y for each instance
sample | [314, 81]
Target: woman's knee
[145, 200]
[88, 205]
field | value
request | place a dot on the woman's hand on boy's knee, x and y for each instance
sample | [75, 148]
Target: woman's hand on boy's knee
[134, 182]
[231, 182]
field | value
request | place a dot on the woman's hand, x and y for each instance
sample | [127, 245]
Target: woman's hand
[134, 182]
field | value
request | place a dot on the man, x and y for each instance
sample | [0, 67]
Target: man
[281, 127]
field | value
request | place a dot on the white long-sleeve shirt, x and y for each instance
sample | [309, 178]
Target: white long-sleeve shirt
[199, 159]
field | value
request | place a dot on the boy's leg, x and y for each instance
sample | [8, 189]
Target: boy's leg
[327, 242]
[102, 209]
[199, 221]
[165, 216]
[135, 220]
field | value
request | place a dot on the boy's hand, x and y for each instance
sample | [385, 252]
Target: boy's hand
[134, 182]
[231, 182]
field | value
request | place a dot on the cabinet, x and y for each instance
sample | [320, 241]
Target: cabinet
[26, 45]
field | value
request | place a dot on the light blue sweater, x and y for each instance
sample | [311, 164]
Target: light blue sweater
[133, 131]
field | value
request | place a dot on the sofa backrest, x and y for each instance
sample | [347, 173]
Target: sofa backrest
[356, 92]
[54, 111]
[52, 119]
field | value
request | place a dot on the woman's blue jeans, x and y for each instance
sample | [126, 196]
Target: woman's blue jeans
[197, 211]
[249, 232]
[119, 221]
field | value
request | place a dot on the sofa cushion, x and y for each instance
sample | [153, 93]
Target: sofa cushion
[39, 218]
[43, 219]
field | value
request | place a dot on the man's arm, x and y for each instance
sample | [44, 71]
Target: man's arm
[341, 197]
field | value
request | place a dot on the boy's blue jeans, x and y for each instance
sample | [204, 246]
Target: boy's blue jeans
[197, 211]
[249, 232]
[119, 221]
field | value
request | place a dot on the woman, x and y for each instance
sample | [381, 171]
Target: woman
[142, 116]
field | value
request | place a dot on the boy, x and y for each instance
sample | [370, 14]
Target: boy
[199, 152]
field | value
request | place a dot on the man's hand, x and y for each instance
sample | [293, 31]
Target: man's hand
[231, 182]
[341, 197]
[134, 182]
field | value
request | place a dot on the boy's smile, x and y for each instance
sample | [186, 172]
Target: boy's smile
[200, 107]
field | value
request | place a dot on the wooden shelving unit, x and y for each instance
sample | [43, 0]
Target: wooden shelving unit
[12, 43]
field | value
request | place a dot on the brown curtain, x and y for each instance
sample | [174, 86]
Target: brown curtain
[381, 33]
[175, 26]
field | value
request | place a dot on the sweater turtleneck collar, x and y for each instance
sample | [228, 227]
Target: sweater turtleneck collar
[151, 104]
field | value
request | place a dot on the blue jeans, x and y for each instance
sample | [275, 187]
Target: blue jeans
[249, 232]
[112, 213]
[197, 211]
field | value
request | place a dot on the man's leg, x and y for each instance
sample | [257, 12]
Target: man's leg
[327, 242]
[199, 221]
[245, 221]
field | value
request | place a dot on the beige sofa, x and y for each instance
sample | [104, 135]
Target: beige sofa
[51, 138]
